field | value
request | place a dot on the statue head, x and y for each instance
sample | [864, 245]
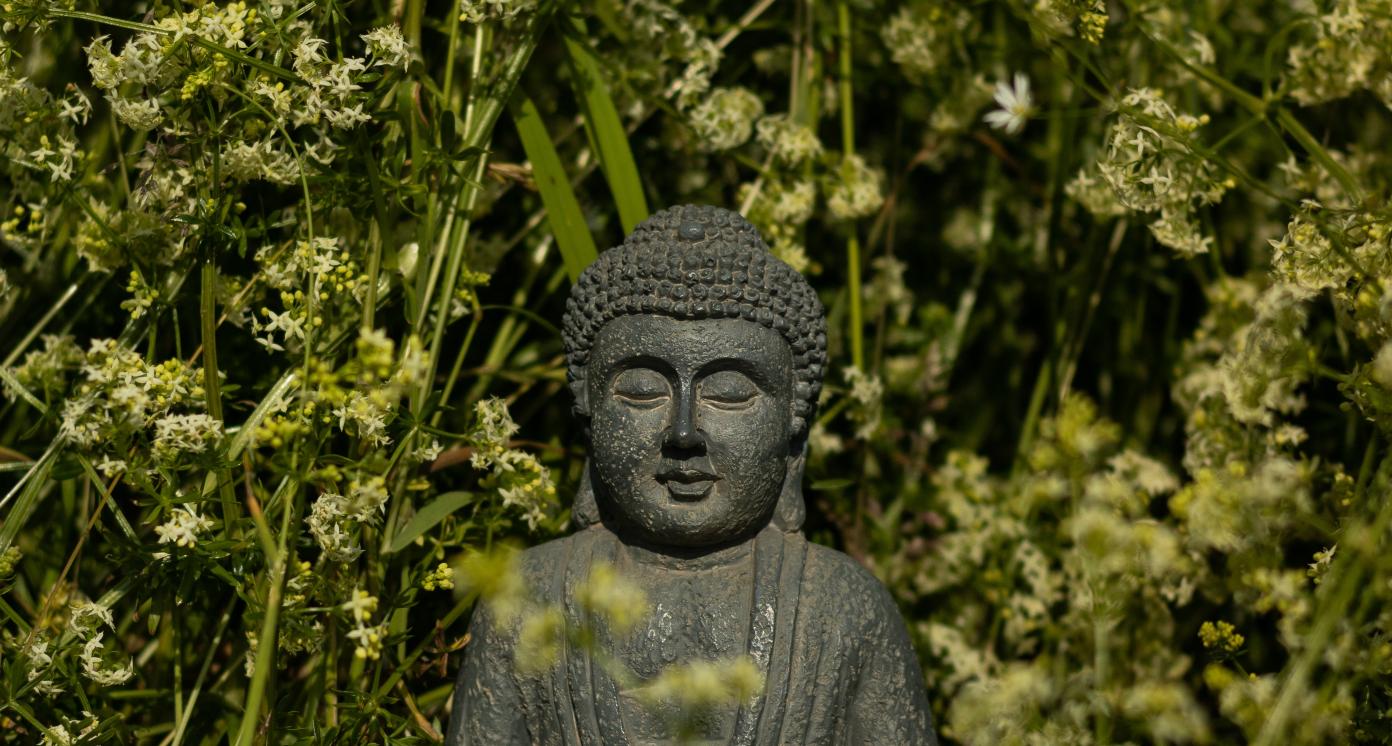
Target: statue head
[696, 359]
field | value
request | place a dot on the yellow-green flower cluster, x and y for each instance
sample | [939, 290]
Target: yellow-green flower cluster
[690, 689]
[1087, 17]
[608, 596]
[441, 578]
[1221, 636]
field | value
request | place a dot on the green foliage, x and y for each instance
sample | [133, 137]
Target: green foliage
[1109, 284]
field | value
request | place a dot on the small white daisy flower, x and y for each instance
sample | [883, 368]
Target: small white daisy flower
[1016, 105]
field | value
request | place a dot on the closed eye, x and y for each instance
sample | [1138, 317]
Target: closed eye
[642, 399]
[641, 387]
[722, 403]
[728, 389]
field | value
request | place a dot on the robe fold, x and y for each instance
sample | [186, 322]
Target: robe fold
[824, 633]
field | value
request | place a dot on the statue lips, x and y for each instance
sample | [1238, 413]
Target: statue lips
[687, 484]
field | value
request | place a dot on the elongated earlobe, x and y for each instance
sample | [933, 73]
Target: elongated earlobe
[581, 407]
[792, 507]
[585, 511]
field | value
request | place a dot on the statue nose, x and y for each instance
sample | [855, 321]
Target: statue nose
[683, 433]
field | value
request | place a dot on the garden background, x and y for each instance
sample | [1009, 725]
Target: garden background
[1107, 282]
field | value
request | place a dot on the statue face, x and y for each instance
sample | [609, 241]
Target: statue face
[690, 426]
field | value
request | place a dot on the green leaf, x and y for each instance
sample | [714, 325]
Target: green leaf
[429, 517]
[30, 489]
[562, 209]
[606, 130]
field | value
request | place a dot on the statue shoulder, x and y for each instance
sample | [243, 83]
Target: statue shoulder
[840, 587]
[544, 564]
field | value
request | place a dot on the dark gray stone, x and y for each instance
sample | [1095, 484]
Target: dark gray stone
[696, 359]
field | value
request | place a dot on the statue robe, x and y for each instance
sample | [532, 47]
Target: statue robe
[829, 640]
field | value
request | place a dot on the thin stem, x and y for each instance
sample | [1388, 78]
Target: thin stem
[212, 383]
[857, 332]
[269, 634]
[376, 235]
[448, 87]
[459, 359]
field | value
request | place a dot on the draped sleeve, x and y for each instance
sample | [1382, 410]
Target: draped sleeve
[488, 706]
[889, 703]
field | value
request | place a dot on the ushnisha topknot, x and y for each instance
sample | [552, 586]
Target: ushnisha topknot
[700, 262]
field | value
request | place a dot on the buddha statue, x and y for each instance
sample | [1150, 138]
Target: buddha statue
[695, 358]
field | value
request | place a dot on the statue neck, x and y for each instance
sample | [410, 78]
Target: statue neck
[687, 558]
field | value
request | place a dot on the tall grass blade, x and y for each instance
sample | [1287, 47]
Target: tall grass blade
[562, 208]
[605, 129]
[30, 490]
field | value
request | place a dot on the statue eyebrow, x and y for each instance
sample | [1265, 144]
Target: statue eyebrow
[643, 360]
[739, 364]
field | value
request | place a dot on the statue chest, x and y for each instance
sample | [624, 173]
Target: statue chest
[696, 615]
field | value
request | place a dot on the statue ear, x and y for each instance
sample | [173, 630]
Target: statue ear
[792, 507]
[580, 391]
[585, 510]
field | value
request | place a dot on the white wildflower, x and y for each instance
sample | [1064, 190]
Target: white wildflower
[854, 189]
[427, 452]
[822, 442]
[365, 415]
[867, 391]
[1323, 560]
[77, 109]
[346, 118]
[493, 428]
[140, 114]
[366, 500]
[329, 523]
[245, 161]
[57, 735]
[39, 660]
[726, 118]
[104, 66]
[185, 434]
[308, 54]
[368, 641]
[183, 527]
[87, 617]
[921, 39]
[280, 98]
[95, 668]
[792, 203]
[361, 606]
[1149, 475]
[524, 484]
[789, 142]
[387, 46]
[1016, 105]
